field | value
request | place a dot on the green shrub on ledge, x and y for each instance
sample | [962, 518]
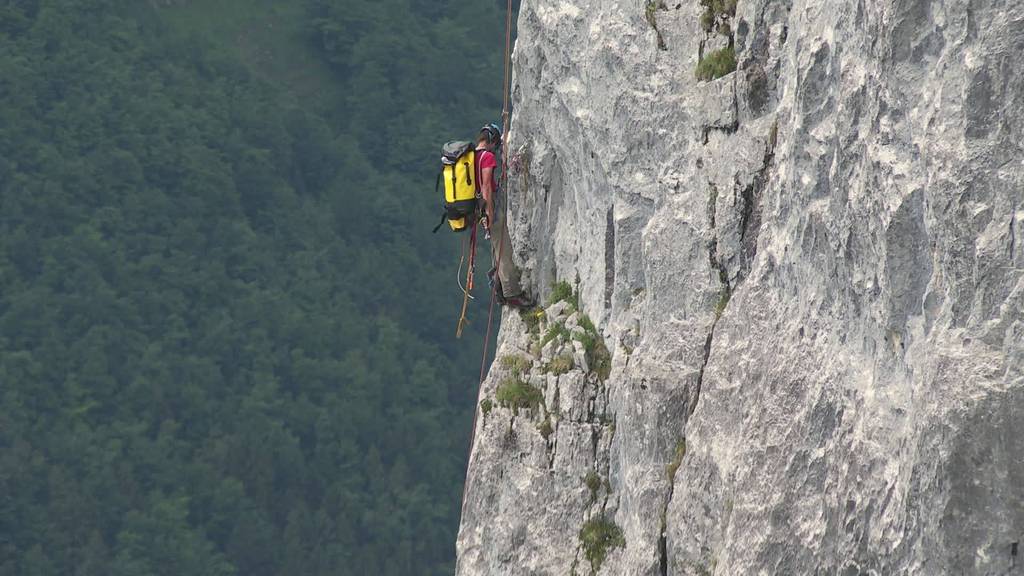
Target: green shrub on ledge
[515, 394]
[598, 536]
[559, 365]
[717, 64]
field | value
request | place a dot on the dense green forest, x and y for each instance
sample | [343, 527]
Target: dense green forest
[225, 329]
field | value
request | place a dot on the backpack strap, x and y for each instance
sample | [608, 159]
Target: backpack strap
[444, 215]
[437, 186]
[455, 183]
[476, 172]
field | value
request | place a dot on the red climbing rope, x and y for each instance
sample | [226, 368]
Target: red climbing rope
[503, 184]
[506, 90]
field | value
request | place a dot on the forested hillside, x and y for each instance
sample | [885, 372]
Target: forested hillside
[225, 329]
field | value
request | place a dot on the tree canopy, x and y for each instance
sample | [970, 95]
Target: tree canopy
[225, 328]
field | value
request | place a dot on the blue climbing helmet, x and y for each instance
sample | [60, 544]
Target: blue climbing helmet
[492, 132]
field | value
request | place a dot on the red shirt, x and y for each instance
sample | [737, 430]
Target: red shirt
[486, 159]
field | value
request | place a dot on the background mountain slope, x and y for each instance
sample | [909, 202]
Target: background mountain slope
[225, 330]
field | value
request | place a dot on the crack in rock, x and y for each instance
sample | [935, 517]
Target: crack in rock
[726, 292]
[1012, 234]
[729, 128]
[609, 258]
[750, 213]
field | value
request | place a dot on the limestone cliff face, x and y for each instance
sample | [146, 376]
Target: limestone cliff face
[809, 274]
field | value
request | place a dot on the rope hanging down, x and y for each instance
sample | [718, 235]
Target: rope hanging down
[506, 90]
[470, 272]
[502, 186]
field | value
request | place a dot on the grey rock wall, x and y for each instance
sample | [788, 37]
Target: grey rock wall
[809, 273]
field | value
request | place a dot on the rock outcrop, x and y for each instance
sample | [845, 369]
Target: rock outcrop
[808, 275]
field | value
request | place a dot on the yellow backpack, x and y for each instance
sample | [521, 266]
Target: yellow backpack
[458, 172]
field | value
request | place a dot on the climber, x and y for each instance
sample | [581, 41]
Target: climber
[505, 273]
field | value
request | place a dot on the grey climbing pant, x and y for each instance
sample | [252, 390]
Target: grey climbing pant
[508, 274]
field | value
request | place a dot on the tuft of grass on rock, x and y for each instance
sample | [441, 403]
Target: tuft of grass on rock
[707, 20]
[486, 406]
[545, 428]
[559, 365]
[535, 347]
[598, 537]
[601, 362]
[650, 14]
[587, 324]
[513, 393]
[717, 64]
[593, 483]
[533, 318]
[723, 301]
[717, 19]
[598, 357]
[677, 459]
[516, 363]
[564, 291]
[556, 330]
[722, 10]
